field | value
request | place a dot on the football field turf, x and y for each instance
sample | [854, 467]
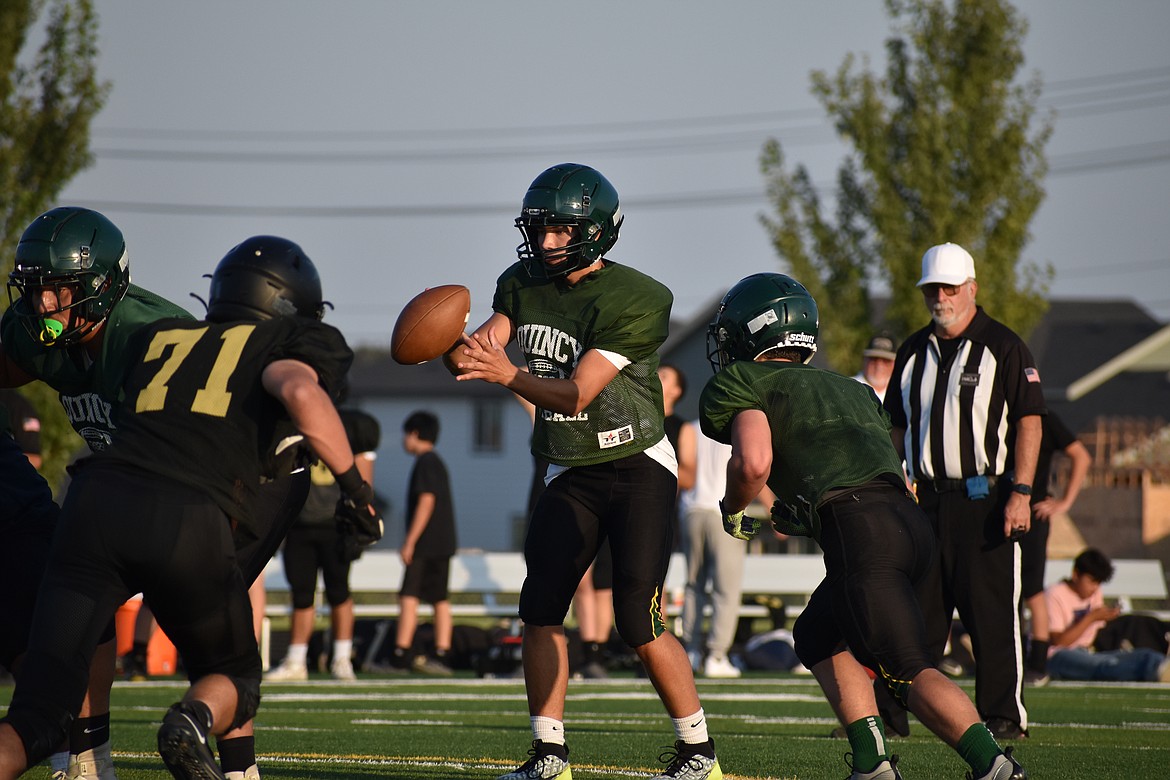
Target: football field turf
[774, 726]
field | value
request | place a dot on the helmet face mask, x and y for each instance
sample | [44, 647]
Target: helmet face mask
[77, 258]
[263, 278]
[760, 313]
[567, 195]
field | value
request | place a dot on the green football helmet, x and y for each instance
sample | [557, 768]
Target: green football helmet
[576, 196]
[262, 278]
[762, 312]
[74, 248]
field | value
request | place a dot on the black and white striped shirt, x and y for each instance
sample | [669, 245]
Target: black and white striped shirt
[958, 405]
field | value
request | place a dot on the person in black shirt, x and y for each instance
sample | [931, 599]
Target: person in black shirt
[314, 544]
[1034, 546]
[157, 512]
[428, 547]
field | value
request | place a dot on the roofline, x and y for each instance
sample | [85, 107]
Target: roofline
[1150, 354]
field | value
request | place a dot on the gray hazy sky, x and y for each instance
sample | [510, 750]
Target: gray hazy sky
[394, 140]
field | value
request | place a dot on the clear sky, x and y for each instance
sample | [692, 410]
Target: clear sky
[394, 140]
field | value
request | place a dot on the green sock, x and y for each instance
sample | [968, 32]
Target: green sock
[867, 740]
[978, 748]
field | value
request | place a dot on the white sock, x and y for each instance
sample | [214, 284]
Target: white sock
[548, 729]
[342, 648]
[691, 729]
[297, 654]
[60, 761]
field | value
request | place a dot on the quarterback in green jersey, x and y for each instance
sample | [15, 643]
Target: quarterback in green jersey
[589, 330]
[821, 442]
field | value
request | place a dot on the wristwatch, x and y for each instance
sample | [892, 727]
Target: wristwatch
[1025, 490]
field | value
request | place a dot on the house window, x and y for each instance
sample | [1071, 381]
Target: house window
[489, 426]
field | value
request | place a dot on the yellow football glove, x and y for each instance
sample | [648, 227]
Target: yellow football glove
[739, 525]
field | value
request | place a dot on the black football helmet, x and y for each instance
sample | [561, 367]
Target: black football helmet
[263, 278]
[75, 248]
[762, 312]
[573, 195]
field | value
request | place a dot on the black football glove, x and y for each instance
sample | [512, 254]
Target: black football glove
[355, 514]
[356, 521]
[792, 521]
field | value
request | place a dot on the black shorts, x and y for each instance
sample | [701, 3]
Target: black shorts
[426, 579]
[309, 549]
[626, 501]
[881, 581]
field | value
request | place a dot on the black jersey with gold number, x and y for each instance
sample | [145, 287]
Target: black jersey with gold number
[196, 411]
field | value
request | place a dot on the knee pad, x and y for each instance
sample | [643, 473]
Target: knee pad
[337, 595]
[812, 645]
[247, 700]
[899, 689]
[303, 600]
[638, 624]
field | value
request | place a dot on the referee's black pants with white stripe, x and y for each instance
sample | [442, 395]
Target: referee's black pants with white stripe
[981, 579]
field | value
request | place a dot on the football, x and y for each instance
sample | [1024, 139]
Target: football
[430, 324]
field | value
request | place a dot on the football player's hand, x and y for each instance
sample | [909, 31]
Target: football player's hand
[362, 523]
[786, 520]
[738, 524]
[355, 513]
[482, 357]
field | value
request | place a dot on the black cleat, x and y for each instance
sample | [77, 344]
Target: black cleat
[182, 743]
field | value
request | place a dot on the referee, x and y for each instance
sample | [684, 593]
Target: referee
[966, 406]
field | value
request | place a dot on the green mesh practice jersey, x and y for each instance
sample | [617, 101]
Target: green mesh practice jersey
[828, 431]
[616, 309]
[88, 390]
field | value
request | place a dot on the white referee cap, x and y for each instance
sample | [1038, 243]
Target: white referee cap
[947, 264]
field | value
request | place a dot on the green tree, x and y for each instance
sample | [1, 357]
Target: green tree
[943, 149]
[48, 97]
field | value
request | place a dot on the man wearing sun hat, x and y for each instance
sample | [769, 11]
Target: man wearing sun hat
[966, 414]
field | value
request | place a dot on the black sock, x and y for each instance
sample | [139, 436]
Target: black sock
[236, 754]
[1038, 655]
[88, 733]
[592, 653]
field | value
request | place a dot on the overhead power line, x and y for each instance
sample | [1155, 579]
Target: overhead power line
[1062, 165]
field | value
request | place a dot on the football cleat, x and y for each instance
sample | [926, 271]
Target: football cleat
[686, 761]
[288, 671]
[886, 770]
[1002, 728]
[719, 665]
[1004, 767]
[549, 761]
[433, 666]
[342, 669]
[182, 743]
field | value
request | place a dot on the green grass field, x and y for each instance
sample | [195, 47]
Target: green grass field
[771, 726]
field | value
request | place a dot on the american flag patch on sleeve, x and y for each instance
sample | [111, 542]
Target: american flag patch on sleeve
[1032, 375]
